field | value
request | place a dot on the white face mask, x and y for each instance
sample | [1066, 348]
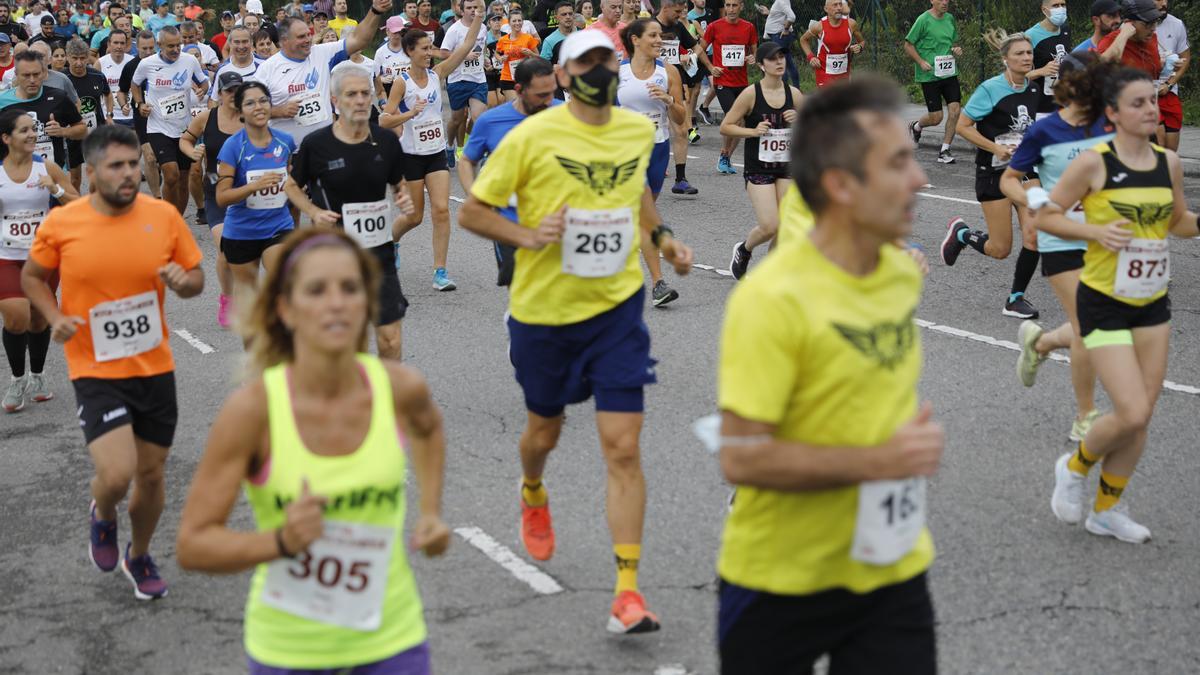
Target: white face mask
[1058, 16]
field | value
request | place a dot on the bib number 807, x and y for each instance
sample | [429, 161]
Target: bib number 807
[598, 243]
[331, 572]
[22, 229]
[127, 328]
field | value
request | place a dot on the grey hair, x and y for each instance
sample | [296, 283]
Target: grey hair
[168, 30]
[344, 70]
[77, 47]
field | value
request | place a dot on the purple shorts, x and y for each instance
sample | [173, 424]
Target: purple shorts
[413, 661]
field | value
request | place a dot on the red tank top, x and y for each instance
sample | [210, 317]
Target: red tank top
[834, 42]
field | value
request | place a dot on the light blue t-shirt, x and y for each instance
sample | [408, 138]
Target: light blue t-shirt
[486, 135]
[156, 23]
[242, 221]
[548, 44]
[1085, 46]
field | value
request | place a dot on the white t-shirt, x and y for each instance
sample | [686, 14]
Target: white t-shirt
[229, 67]
[112, 73]
[33, 23]
[389, 64]
[1172, 38]
[306, 81]
[471, 69]
[208, 58]
[168, 88]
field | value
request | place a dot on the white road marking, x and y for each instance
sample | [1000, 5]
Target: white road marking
[672, 669]
[949, 199]
[460, 200]
[710, 268]
[500, 554]
[195, 342]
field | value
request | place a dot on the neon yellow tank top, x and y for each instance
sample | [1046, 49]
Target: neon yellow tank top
[1146, 200]
[352, 601]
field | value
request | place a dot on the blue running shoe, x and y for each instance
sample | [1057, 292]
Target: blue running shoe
[441, 282]
[102, 548]
[143, 574]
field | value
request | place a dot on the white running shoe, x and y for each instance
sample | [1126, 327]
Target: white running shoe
[1115, 522]
[1067, 501]
[1030, 359]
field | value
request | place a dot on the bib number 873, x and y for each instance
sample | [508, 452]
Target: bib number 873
[127, 328]
[598, 243]
[331, 572]
[1149, 268]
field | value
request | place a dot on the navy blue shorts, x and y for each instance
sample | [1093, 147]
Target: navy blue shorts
[607, 356]
[462, 92]
[656, 172]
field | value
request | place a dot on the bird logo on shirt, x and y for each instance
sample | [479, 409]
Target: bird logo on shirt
[179, 80]
[885, 343]
[1145, 214]
[601, 177]
[311, 80]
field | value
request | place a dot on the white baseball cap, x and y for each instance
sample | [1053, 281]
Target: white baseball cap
[254, 7]
[579, 43]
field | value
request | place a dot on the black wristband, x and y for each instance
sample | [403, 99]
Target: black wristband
[283, 552]
[374, 11]
[657, 233]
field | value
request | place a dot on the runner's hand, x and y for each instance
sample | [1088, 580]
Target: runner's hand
[47, 182]
[65, 328]
[266, 181]
[383, 7]
[658, 93]
[789, 116]
[53, 128]
[419, 106]
[762, 128]
[325, 218]
[291, 107]
[676, 253]
[144, 109]
[717, 71]
[1050, 68]
[916, 448]
[305, 522]
[957, 50]
[125, 109]
[530, 53]
[926, 67]
[814, 62]
[750, 59]
[404, 202]
[430, 536]
[1115, 236]
[1003, 152]
[856, 48]
[550, 231]
[197, 152]
[1127, 30]
[173, 275]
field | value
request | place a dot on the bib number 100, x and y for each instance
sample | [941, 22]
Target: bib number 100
[368, 225]
[331, 572]
[598, 243]
[127, 328]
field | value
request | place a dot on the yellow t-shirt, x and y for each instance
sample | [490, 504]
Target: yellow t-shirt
[552, 159]
[795, 218]
[338, 25]
[831, 360]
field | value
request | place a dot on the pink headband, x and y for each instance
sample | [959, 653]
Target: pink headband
[309, 244]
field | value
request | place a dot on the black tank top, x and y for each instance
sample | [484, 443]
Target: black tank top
[213, 139]
[763, 111]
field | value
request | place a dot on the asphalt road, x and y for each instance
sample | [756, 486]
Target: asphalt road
[1015, 591]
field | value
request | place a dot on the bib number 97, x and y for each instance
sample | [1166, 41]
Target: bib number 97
[598, 243]
[127, 328]
[331, 572]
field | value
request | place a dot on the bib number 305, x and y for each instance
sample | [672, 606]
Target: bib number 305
[891, 515]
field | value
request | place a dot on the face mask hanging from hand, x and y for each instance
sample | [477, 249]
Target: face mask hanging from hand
[597, 87]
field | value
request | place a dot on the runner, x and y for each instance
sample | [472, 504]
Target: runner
[203, 140]
[252, 168]
[653, 90]
[467, 85]
[1135, 43]
[327, 431]
[95, 100]
[779, 27]
[996, 117]
[825, 549]
[763, 115]
[1106, 17]
[347, 169]
[733, 43]
[931, 43]
[576, 323]
[111, 65]
[839, 39]
[1132, 195]
[414, 108]
[162, 88]
[298, 76]
[151, 173]
[535, 87]
[117, 251]
[390, 58]
[57, 118]
[1048, 147]
[682, 50]
[1050, 44]
[512, 49]
[24, 204]
[609, 23]
[1172, 40]
[493, 65]
[241, 61]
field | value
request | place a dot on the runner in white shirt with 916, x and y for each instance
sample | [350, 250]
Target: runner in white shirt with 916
[467, 85]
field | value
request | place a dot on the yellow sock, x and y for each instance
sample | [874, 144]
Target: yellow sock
[1081, 462]
[533, 492]
[1109, 492]
[627, 566]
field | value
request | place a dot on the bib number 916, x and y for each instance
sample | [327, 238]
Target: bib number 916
[598, 243]
[331, 572]
[127, 328]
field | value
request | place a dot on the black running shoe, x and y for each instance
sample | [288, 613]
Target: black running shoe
[740, 260]
[916, 133]
[664, 294]
[951, 246]
[1020, 308]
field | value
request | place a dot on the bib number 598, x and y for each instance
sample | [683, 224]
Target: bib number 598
[331, 572]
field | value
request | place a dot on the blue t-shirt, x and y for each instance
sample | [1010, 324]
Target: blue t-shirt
[156, 23]
[1085, 46]
[489, 130]
[548, 45]
[1049, 146]
[242, 221]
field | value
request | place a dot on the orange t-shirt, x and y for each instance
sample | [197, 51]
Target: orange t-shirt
[103, 258]
[512, 47]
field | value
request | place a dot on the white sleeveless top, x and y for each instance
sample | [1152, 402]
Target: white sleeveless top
[23, 207]
[424, 134]
[632, 94]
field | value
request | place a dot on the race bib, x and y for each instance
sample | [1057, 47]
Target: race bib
[19, 228]
[837, 64]
[312, 109]
[1049, 84]
[891, 515]
[473, 64]
[944, 66]
[669, 52]
[661, 132]
[173, 106]
[428, 137]
[368, 223]
[270, 198]
[125, 327]
[733, 56]
[340, 580]
[45, 149]
[89, 119]
[198, 111]
[773, 146]
[512, 66]
[1010, 139]
[596, 242]
[1143, 268]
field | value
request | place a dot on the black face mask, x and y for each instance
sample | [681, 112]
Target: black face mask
[597, 87]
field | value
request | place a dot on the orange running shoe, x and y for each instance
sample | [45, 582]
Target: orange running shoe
[629, 615]
[537, 532]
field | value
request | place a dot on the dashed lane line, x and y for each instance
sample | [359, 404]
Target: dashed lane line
[500, 554]
[200, 345]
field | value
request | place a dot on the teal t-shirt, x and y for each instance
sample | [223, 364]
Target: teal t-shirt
[933, 38]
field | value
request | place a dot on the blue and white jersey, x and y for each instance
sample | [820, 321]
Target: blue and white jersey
[228, 66]
[634, 94]
[1049, 146]
[305, 81]
[424, 134]
[265, 213]
[168, 89]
